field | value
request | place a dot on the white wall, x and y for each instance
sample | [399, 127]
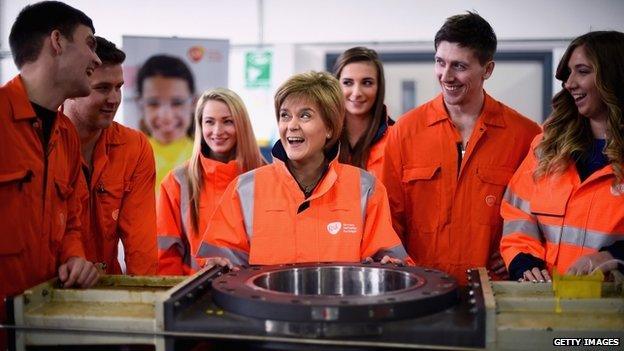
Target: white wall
[300, 32]
[418, 20]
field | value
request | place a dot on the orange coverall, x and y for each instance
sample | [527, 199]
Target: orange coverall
[374, 165]
[263, 218]
[558, 218]
[39, 194]
[177, 241]
[448, 215]
[121, 203]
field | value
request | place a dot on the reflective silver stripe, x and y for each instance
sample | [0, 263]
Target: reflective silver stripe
[552, 233]
[367, 187]
[237, 257]
[194, 264]
[166, 241]
[394, 252]
[245, 189]
[579, 236]
[528, 228]
[517, 202]
[179, 174]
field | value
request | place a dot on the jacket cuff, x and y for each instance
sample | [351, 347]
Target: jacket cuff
[71, 248]
[522, 263]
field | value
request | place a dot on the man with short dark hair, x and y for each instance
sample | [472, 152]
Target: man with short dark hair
[40, 177]
[453, 156]
[118, 164]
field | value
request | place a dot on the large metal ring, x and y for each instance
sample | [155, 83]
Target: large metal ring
[335, 292]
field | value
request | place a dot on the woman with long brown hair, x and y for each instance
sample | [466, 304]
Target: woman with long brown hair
[360, 73]
[224, 147]
[564, 207]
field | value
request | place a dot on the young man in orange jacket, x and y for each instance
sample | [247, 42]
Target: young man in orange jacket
[54, 48]
[118, 164]
[453, 156]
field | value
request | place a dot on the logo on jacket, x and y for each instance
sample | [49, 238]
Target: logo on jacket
[617, 189]
[334, 227]
[115, 214]
[490, 200]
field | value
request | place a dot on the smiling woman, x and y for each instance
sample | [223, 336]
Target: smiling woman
[310, 119]
[363, 139]
[224, 147]
[301, 207]
[574, 174]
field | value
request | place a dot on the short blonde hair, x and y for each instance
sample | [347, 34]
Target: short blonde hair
[322, 89]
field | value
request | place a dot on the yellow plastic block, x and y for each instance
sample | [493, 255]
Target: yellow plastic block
[577, 286]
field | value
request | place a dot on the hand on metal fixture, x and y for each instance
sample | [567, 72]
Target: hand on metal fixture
[497, 266]
[78, 272]
[221, 261]
[385, 259]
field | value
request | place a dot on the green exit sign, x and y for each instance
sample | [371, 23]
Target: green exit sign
[258, 69]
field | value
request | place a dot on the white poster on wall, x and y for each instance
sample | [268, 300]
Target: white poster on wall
[207, 59]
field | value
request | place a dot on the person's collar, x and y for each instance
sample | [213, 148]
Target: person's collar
[491, 113]
[210, 165]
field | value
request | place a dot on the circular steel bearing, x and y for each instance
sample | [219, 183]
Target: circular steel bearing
[335, 292]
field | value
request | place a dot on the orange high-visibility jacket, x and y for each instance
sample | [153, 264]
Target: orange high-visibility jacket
[263, 218]
[177, 241]
[121, 204]
[374, 164]
[558, 218]
[448, 216]
[39, 197]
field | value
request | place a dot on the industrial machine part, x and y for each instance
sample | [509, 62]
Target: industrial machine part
[169, 312]
[364, 305]
[527, 316]
[120, 310]
[335, 292]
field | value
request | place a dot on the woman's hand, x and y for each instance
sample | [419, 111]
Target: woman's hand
[220, 261]
[588, 263]
[536, 275]
[385, 259]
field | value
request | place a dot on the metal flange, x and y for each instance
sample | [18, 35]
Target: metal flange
[335, 292]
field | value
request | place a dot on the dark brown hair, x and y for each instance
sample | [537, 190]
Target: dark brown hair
[469, 31]
[358, 155]
[37, 21]
[108, 53]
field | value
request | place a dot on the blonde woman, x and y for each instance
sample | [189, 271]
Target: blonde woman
[564, 207]
[224, 147]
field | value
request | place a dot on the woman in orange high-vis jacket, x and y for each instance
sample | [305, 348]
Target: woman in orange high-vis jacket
[305, 207]
[224, 147]
[363, 139]
[564, 207]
